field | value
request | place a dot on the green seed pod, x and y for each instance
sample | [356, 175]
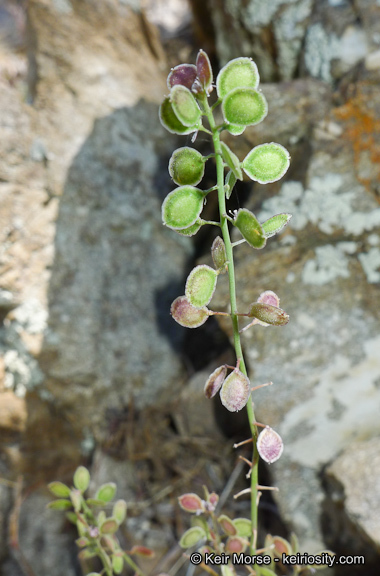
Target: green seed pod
[215, 381]
[244, 106]
[243, 527]
[184, 105]
[106, 492]
[235, 391]
[266, 163]
[109, 526]
[238, 73]
[191, 537]
[235, 129]
[81, 478]
[200, 285]
[230, 182]
[59, 489]
[204, 71]
[119, 511]
[218, 253]
[269, 314]
[183, 74]
[232, 161]
[269, 445]
[275, 224]
[186, 166]
[170, 121]
[250, 228]
[60, 504]
[191, 230]
[182, 207]
[117, 564]
[186, 314]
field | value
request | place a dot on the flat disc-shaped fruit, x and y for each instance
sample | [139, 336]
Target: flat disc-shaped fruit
[244, 106]
[186, 314]
[235, 391]
[186, 166]
[200, 285]
[238, 73]
[250, 228]
[170, 121]
[266, 163]
[184, 105]
[182, 207]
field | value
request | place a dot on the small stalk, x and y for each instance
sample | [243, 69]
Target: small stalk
[234, 314]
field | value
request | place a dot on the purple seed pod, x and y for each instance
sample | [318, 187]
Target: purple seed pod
[204, 70]
[269, 297]
[235, 391]
[269, 445]
[186, 314]
[184, 74]
[215, 381]
[268, 314]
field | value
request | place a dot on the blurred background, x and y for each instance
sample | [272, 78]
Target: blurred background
[92, 368]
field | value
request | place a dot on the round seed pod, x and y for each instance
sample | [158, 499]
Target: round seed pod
[244, 107]
[235, 129]
[187, 315]
[266, 163]
[182, 207]
[238, 73]
[218, 253]
[170, 121]
[232, 161]
[186, 166]
[275, 224]
[191, 230]
[235, 391]
[184, 105]
[200, 285]
[204, 71]
[183, 74]
[268, 314]
[269, 445]
[250, 228]
[215, 381]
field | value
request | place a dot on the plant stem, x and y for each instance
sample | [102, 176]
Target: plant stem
[234, 314]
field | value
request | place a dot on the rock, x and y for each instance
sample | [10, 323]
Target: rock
[12, 412]
[325, 268]
[351, 509]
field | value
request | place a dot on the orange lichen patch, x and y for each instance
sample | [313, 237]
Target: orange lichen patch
[362, 130]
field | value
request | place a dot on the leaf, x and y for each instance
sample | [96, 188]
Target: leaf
[191, 537]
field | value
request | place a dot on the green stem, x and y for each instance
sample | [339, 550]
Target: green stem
[234, 314]
[133, 565]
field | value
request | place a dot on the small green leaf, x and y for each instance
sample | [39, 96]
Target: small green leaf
[182, 207]
[187, 315]
[266, 163]
[184, 105]
[235, 391]
[232, 161]
[250, 228]
[218, 253]
[119, 511]
[59, 489]
[238, 73]
[109, 526]
[243, 527]
[81, 478]
[275, 224]
[229, 183]
[170, 121]
[106, 492]
[60, 505]
[244, 106]
[192, 536]
[200, 285]
[186, 166]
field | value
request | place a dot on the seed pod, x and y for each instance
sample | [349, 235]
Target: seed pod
[269, 314]
[275, 224]
[192, 536]
[184, 105]
[183, 74]
[232, 161]
[204, 71]
[182, 207]
[235, 129]
[218, 253]
[81, 478]
[200, 285]
[230, 182]
[250, 228]
[215, 381]
[236, 544]
[191, 230]
[266, 163]
[186, 166]
[191, 503]
[187, 315]
[170, 121]
[238, 73]
[245, 107]
[269, 297]
[269, 445]
[235, 391]
[227, 525]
